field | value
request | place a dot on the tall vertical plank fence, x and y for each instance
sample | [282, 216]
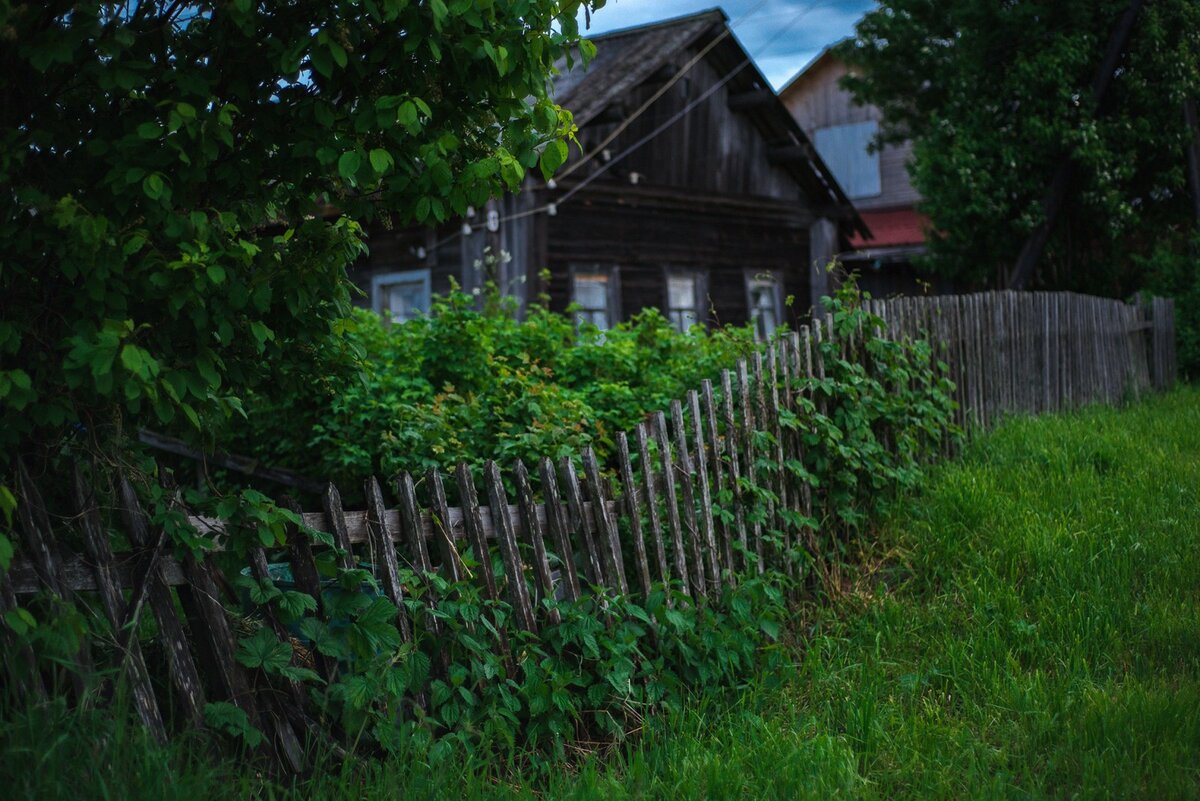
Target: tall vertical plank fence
[538, 531]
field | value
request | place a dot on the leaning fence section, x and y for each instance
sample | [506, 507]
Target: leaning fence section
[528, 533]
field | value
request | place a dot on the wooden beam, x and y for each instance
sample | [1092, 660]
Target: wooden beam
[229, 461]
[786, 154]
[753, 98]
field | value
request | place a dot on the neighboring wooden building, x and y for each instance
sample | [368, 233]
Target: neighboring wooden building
[877, 182]
[711, 205]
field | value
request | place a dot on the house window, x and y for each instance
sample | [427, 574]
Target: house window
[401, 296]
[685, 294]
[591, 291]
[764, 302]
[844, 149]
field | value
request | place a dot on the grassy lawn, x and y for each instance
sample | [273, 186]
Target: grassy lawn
[1029, 627]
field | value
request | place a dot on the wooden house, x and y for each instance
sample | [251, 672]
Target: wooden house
[695, 192]
[877, 181]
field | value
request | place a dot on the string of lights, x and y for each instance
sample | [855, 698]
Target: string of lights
[551, 207]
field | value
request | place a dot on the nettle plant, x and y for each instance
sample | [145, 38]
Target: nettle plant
[883, 410]
[468, 680]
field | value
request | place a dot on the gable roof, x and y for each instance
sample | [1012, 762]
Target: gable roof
[626, 58]
[827, 55]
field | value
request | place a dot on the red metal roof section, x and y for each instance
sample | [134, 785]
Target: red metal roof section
[891, 228]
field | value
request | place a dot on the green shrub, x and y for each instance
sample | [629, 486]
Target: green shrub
[464, 384]
[1173, 271]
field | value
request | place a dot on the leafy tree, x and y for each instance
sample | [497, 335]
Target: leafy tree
[996, 95]
[184, 184]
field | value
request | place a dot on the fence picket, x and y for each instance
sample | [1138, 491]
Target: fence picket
[629, 493]
[518, 592]
[533, 532]
[556, 519]
[656, 531]
[671, 501]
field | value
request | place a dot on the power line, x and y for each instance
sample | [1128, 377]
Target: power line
[551, 207]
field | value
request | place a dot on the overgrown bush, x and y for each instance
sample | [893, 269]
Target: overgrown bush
[468, 679]
[467, 384]
[1173, 271]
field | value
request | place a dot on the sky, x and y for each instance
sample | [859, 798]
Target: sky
[781, 35]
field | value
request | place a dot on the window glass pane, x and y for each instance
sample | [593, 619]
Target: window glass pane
[681, 292]
[843, 148]
[764, 305]
[591, 291]
[405, 297]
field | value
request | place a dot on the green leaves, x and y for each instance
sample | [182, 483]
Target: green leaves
[553, 156]
[349, 164]
[155, 185]
[264, 650]
[233, 720]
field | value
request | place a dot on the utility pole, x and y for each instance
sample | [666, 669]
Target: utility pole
[1056, 194]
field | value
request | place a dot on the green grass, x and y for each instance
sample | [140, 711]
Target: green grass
[1028, 627]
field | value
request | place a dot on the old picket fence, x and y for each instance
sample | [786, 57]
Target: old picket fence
[1007, 352]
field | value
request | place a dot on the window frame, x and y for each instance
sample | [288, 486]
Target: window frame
[754, 278]
[699, 306]
[611, 274]
[830, 135]
[380, 282]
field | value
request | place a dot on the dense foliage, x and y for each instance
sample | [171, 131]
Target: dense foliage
[996, 95]
[868, 422]
[184, 184]
[469, 383]
[1172, 270]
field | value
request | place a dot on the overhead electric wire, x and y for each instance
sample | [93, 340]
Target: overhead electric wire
[552, 206]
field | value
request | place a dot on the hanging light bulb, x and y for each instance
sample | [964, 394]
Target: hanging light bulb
[552, 184]
[470, 211]
[466, 229]
[420, 252]
[552, 209]
[493, 220]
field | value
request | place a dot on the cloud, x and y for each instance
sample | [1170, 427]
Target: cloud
[781, 35]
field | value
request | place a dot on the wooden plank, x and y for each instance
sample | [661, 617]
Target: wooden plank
[713, 431]
[443, 537]
[684, 475]
[179, 656]
[335, 519]
[734, 444]
[109, 590]
[772, 401]
[541, 563]
[671, 500]
[518, 593]
[228, 673]
[656, 531]
[708, 544]
[384, 564]
[629, 494]
[410, 524]
[556, 520]
[747, 441]
[473, 522]
[581, 522]
[610, 543]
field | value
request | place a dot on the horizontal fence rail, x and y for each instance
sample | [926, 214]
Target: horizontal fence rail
[674, 507]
